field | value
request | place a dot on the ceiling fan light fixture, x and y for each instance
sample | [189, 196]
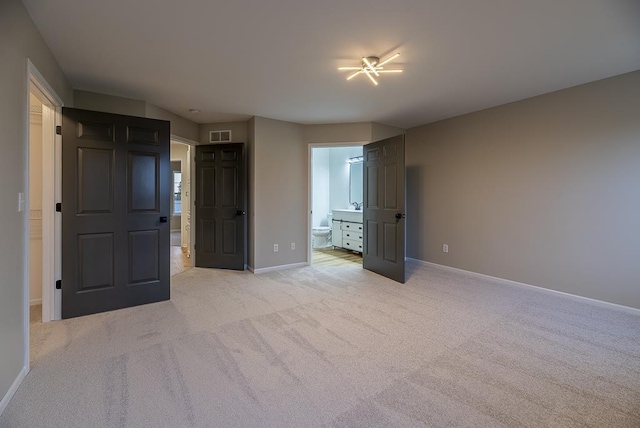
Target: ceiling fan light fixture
[371, 65]
[391, 58]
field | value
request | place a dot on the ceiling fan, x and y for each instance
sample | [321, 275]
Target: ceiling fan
[372, 66]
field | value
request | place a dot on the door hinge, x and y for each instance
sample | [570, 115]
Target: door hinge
[58, 207]
[59, 284]
[58, 130]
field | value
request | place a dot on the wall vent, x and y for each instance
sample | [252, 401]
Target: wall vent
[220, 136]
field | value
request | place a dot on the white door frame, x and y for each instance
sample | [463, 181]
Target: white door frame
[51, 193]
[310, 193]
[52, 175]
[191, 177]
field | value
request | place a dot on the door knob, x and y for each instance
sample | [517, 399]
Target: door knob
[240, 212]
[400, 215]
[163, 219]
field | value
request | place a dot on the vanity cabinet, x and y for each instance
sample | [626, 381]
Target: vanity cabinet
[347, 230]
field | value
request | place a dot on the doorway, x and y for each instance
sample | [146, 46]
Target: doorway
[336, 198]
[180, 207]
[35, 207]
[43, 190]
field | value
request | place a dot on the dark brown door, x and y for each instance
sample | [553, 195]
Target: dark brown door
[384, 210]
[220, 206]
[115, 204]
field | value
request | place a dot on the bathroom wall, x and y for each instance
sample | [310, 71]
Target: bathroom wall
[339, 172]
[321, 182]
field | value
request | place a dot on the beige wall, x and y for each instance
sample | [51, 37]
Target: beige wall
[279, 193]
[180, 126]
[337, 133]
[19, 40]
[239, 131]
[380, 132]
[543, 191]
[108, 103]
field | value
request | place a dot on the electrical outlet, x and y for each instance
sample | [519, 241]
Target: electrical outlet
[445, 248]
[293, 246]
[275, 248]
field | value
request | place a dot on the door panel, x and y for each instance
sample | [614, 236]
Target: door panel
[116, 185]
[384, 211]
[220, 206]
[143, 185]
[95, 180]
[95, 261]
[144, 253]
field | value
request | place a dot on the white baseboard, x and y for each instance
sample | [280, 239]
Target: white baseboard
[35, 302]
[603, 304]
[12, 390]
[275, 268]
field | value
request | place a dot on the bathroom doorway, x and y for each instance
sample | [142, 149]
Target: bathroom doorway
[335, 225]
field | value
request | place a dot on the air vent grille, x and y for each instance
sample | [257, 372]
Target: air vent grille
[220, 136]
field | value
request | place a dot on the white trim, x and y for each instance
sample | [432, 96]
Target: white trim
[12, 390]
[183, 140]
[52, 182]
[41, 83]
[34, 302]
[276, 268]
[600, 303]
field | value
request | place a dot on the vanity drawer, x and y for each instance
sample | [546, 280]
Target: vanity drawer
[356, 227]
[352, 235]
[351, 244]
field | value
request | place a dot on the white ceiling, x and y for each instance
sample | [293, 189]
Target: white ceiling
[233, 59]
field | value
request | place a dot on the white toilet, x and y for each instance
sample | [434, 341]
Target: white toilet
[321, 235]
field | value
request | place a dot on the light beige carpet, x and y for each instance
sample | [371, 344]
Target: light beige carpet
[322, 346]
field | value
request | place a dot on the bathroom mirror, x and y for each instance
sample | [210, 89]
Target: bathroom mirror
[355, 183]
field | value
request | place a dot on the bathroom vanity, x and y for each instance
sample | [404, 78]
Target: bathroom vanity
[347, 229]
